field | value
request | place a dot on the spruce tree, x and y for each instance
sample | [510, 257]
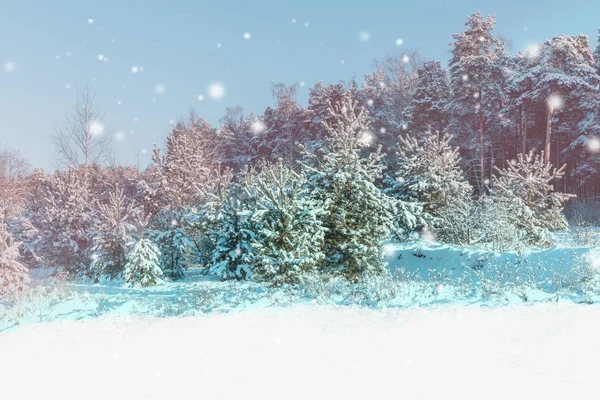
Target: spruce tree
[14, 276]
[143, 264]
[358, 215]
[291, 236]
[428, 108]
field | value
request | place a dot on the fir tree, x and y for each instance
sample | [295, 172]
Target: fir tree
[143, 265]
[114, 235]
[169, 233]
[358, 215]
[291, 238]
[430, 100]
[524, 192]
[429, 173]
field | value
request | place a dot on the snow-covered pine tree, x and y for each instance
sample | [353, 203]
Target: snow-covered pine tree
[169, 234]
[428, 107]
[597, 53]
[14, 276]
[113, 235]
[477, 79]
[59, 208]
[358, 215]
[524, 192]
[143, 264]
[291, 240]
[238, 137]
[429, 173]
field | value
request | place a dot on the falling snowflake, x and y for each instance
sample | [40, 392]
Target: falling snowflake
[154, 99]
[247, 35]
[382, 130]
[219, 45]
[100, 57]
[90, 21]
[366, 138]
[171, 121]
[399, 42]
[293, 20]
[200, 98]
[119, 102]
[364, 36]
[144, 151]
[112, 41]
[475, 95]
[302, 83]
[68, 86]
[95, 128]
[216, 90]
[119, 136]
[405, 59]
[136, 119]
[594, 145]
[306, 24]
[174, 222]
[465, 77]
[404, 127]
[486, 181]
[343, 62]
[160, 88]
[370, 102]
[9, 66]
[533, 51]
[526, 29]
[258, 126]
[57, 57]
[555, 101]
[135, 69]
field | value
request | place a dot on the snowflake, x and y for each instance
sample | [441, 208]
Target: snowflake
[219, 45]
[465, 77]
[216, 90]
[404, 127]
[160, 88]
[486, 181]
[144, 151]
[405, 59]
[382, 130]
[258, 126]
[200, 97]
[9, 66]
[594, 145]
[154, 99]
[171, 121]
[364, 36]
[68, 86]
[246, 35]
[293, 20]
[343, 62]
[306, 24]
[100, 57]
[555, 101]
[174, 222]
[370, 102]
[90, 21]
[136, 119]
[119, 136]
[399, 42]
[135, 69]
[119, 102]
[95, 128]
[475, 95]
[68, 54]
[57, 57]
[365, 138]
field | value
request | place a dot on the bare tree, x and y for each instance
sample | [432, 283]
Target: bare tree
[81, 140]
[14, 171]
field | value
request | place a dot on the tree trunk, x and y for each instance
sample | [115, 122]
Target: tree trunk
[524, 121]
[481, 156]
[548, 134]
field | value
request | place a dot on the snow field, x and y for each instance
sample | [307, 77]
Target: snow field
[318, 352]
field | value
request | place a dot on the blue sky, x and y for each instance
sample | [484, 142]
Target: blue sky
[52, 47]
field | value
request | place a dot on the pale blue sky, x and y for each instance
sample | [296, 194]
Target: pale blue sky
[176, 43]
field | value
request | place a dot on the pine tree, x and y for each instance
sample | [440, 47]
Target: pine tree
[524, 193]
[14, 276]
[239, 137]
[477, 78]
[597, 53]
[358, 215]
[171, 237]
[430, 100]
[291, 238]
[429, 173]
[233, 254]
[114, 235]
[143, 265]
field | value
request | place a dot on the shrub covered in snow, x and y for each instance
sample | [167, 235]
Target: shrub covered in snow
[143, 264]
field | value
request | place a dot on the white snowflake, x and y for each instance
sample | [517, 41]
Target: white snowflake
[258, 126]
[343, 62]
[119, 136]
[136, 119]
[405, 59]
[382, 130]
[68, 86]
[364, 36]
[306, 24]
[594, 145]
[119, 102]
[219, 45]
[160, 88]
[95, 128]
[404, 127]
[9, 66]
[399, 42]
[370, 102]
[366, 138]
[216, 90]
[555, 101]
[246, 35]
[90, 21]
[174, 222]
[465, 77]
[154, 99]
[144, 151]
[302, 83]
[57, 57]
[293, 20]
[135, 69]
[100, 57]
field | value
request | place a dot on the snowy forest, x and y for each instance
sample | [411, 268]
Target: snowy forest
[493, 150]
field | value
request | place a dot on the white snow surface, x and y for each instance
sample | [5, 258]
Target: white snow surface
[542, 351]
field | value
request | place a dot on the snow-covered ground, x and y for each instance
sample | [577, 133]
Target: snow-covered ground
[543, 351]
